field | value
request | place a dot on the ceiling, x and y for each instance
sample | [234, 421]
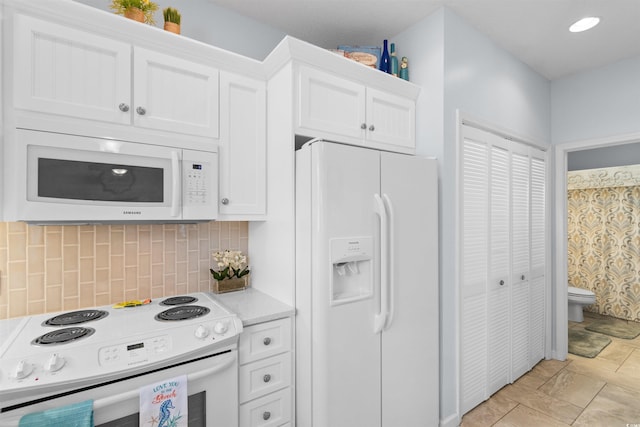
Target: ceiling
[535, 31]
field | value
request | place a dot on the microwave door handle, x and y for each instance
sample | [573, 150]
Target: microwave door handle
[133, 394]
[175, 187]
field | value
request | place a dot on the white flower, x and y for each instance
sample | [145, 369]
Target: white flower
[234, 262]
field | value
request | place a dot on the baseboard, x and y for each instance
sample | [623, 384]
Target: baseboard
[451, 421]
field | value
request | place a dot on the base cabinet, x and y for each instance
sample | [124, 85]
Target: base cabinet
[266, 374]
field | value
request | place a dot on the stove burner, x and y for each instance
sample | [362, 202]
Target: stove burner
[183, 299]
[62, 336]
[76, 317]
[183, 312]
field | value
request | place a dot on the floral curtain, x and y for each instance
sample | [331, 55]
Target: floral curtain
[604, 238]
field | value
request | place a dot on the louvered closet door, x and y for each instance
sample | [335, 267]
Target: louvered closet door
[538, 257]
[520, 298]
[473, 311]
[499, 343]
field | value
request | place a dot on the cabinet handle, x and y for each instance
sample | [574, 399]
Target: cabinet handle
[363, 126]
[123, 107]
[141, 111]
[501, 282]
[266, 341]
[522, 277]
[224, 201]
[266, 378]
[372, 128]
[266, 415]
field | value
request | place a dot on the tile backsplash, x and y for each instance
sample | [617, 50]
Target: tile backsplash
[53, 268]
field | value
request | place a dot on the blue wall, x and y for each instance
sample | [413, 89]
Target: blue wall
[597, 103]
[461, 69]
[206, 22]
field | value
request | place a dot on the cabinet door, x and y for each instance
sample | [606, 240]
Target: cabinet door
[64, 71]
[473, 311]
[391, 119]
[174, 94]
[330, 104]
[520, 250]
[538, 257]
[242, 145]
[498, 289]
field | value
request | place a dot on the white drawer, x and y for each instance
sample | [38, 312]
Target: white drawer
[265, 376]
[272, 410]
[264, 340]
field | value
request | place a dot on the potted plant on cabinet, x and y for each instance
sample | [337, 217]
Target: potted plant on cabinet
[138, 10]
[171, 20]
[231, 271]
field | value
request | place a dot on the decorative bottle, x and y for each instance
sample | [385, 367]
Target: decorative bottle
[394, 60]
[404, 68]
[384, 59]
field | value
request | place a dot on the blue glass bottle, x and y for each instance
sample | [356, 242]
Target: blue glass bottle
[384, 59]
[394, 61]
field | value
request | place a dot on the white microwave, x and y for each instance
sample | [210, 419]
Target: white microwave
[62, 178]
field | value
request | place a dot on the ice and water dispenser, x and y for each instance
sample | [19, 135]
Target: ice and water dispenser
[352, 269]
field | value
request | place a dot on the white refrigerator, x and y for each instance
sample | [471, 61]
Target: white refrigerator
[366, 288]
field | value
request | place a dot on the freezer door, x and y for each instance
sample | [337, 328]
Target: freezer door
[345, 348]
[410, 340]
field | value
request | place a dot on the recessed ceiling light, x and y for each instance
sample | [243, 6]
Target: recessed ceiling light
[584, 24]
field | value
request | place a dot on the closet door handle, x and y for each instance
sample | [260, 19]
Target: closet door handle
[522, 277]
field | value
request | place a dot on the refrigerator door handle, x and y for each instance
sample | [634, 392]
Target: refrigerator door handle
[390, 261]
[381, 318]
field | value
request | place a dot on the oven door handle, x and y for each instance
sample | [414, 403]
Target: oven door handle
[111, 400]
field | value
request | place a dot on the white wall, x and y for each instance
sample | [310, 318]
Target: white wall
[214, 25]
[460, 68]
[598, 103]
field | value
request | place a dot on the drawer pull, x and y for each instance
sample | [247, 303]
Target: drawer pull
[266, 415]
[266, 341]
[266, 378]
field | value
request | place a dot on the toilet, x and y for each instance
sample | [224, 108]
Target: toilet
[578, 298]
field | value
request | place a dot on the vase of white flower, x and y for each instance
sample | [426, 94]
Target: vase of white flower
[231, 272]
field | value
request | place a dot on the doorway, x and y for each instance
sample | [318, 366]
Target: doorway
[621, 144]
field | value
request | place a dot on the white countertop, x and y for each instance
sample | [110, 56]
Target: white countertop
[253, 306]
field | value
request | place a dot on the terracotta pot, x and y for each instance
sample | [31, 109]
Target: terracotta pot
[172, 27]
[135, 14]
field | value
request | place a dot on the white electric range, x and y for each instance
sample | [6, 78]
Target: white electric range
[105, 353]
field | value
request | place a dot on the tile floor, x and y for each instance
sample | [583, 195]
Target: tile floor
[599, 392]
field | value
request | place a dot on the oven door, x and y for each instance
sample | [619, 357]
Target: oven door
[212, 384]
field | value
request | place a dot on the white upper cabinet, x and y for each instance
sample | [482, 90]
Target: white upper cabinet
[64, 71]
[349, 111]
[330, 103]
[173, 94]
[70, 72]
[242, 151]
[391, 119]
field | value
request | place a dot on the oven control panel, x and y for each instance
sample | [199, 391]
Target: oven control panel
[131, 354]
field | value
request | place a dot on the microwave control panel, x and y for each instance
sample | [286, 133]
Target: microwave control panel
[196, 183]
